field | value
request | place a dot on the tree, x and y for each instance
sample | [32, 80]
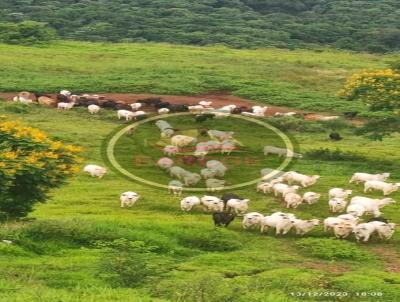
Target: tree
[379, 89]
[26, 33]
[377, 129]
[30, 165]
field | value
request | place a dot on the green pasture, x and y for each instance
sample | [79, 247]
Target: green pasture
[76, 247]
[297, 78]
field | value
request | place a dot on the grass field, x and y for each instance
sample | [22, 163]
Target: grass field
[73, 250]
[303, 79]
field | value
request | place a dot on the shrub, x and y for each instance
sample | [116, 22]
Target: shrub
[296, 124]
[379, 89]
[215, 240]
[27, 33]
[130, 263]
[17, 108]
[30, 164]
[332, 249]
[333, 155]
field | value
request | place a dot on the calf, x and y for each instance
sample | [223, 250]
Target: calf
[223, 219]
[128, 199]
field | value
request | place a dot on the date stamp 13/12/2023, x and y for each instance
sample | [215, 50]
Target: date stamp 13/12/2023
[337, 294]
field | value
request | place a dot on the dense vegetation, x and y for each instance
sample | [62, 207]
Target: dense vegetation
[84, 247]
[356, 25]
[304, 79]
[30, 165]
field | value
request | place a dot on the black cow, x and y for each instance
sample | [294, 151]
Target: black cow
[203, 117]
[150, 101]
[162, 105]
[122, 106]
[335, 136]
[228, 196]
[350, 114]
[223, 219]
[110, 104]
[178, 108]
[239, 110]
[62, 98]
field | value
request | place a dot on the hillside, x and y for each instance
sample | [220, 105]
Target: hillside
[77, 249]
[303, 79]
[357, 25]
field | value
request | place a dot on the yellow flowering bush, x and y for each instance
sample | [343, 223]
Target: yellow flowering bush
[380, 89]
[31, 163]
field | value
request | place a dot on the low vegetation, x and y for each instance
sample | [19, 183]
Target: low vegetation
[307, 80]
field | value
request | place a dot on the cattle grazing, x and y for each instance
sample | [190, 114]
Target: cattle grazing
[188, 203]
[165, 163]
[150, 101]
[109, 104]
[363, 177]
[335, 136]
[350, 114]
[223, 219]
[175, 187]
[128, 199]
[203, 117]
[95, 170]
[281, 152]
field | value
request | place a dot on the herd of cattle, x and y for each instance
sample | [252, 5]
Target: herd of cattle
[224, 210]
[65, 100]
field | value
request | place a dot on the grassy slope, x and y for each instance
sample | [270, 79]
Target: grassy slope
[68, 269]
[303, 79]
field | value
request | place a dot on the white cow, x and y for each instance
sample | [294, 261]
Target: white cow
[337, 204]
[212, 204]
[238, 206]
[282, 222]
[65, 106]
[311, 197]
[363, 177]
[363, 231]
[360, 205]
[165, 163]
[283, 189]
[175, 187]
[386, 188]
[292, 200]
[188, 203]
[128, 199]
[178, 172]
[93, 109]
[330, 222]
[136, 106]
[304, 226]
[191, 179]
[214, 184]
[252, 220]
[163, 111]
[297, 178]
[339, 193]
[95, 170]
[127, 115]
[384, 230]
[170, 150]
[182, 140]
[281, 152]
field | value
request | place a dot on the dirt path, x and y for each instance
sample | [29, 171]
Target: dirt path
[389, 256]
[218, 99]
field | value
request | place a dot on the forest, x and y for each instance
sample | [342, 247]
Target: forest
[361, 25]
